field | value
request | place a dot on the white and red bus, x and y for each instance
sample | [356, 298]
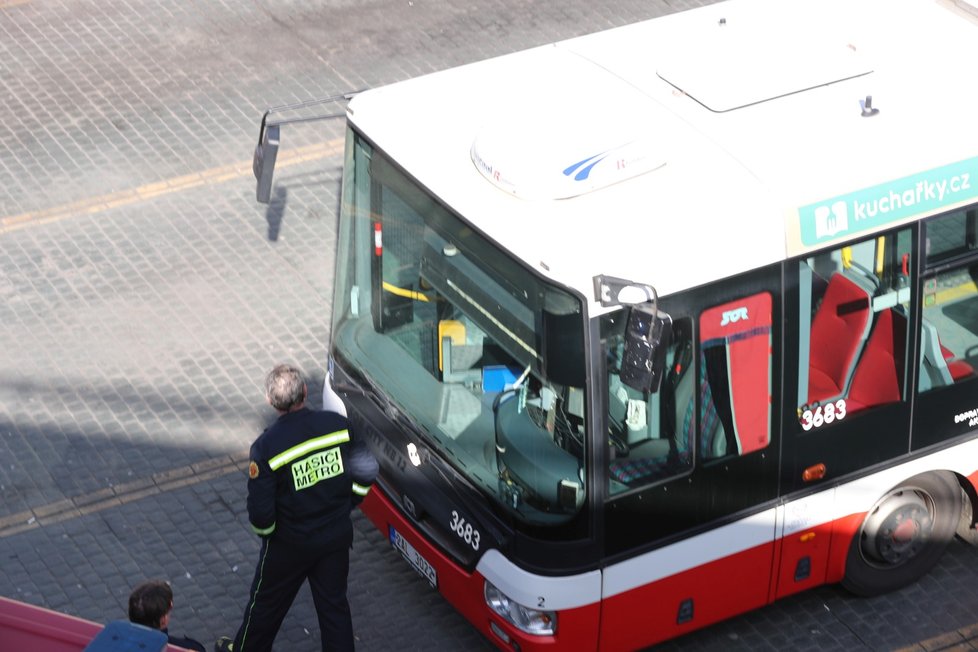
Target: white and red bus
[655, 326]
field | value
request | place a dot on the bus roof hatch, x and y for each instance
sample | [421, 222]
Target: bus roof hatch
[742, 60]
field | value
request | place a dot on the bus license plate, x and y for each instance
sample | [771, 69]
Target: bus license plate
[413, 557]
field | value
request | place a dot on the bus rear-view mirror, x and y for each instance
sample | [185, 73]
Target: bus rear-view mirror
[264, 164]
[647, 336]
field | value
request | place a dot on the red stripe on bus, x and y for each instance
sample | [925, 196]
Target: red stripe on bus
[663, 609]
[708, 593]
[577, 628]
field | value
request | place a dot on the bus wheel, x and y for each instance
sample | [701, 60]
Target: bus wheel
[904, 534]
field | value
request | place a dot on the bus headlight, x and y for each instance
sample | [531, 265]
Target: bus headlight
[531, 621]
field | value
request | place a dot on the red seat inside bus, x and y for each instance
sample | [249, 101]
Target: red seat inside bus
[876, 380]
[838, 331]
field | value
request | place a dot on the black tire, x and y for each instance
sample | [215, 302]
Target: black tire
[904, 534]
[966, 532]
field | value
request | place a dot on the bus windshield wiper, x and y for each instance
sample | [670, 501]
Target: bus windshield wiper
[453, 486]
[372, 392]
[450, 476]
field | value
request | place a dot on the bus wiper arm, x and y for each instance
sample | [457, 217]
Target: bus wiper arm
[444, 471]
[373, 393]
[452, 483]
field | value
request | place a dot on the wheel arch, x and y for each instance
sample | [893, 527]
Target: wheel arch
[969, 514]
[941, 486]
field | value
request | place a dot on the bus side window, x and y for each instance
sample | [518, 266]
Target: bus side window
[854, 311]
[651, 434]
[949, 324]
[735, 377]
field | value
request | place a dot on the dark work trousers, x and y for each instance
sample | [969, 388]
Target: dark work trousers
[281, 569]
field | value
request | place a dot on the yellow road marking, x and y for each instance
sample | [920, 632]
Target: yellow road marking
[6, 4]
[213, 176]
[965, 638]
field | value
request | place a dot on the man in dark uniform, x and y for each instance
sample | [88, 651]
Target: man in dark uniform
[307, 473]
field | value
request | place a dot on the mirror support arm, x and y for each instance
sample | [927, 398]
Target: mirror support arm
[266, 150]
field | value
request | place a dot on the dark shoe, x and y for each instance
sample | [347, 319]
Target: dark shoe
[224, 644]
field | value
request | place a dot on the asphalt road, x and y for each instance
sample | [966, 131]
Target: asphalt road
[144, 292]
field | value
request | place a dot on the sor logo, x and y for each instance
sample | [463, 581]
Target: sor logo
[735, 315]
[830, 220]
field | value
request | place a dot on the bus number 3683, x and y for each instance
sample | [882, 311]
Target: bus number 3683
[464, 530]
[823, 414]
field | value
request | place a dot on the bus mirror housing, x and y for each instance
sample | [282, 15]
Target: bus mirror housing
[647, 337]
[612, 291]
[647, 333]
[266, 152]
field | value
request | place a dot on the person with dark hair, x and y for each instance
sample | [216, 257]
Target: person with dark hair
[150, 604]
[306, 473]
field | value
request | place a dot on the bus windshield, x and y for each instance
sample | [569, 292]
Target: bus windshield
[483, 358]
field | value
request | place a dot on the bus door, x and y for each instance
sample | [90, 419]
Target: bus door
[847, 386]
[693, 468]
[946, 382]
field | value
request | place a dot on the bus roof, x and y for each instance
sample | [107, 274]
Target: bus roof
[695, 146]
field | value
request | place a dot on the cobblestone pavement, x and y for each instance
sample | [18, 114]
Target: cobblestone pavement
[143, 293]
